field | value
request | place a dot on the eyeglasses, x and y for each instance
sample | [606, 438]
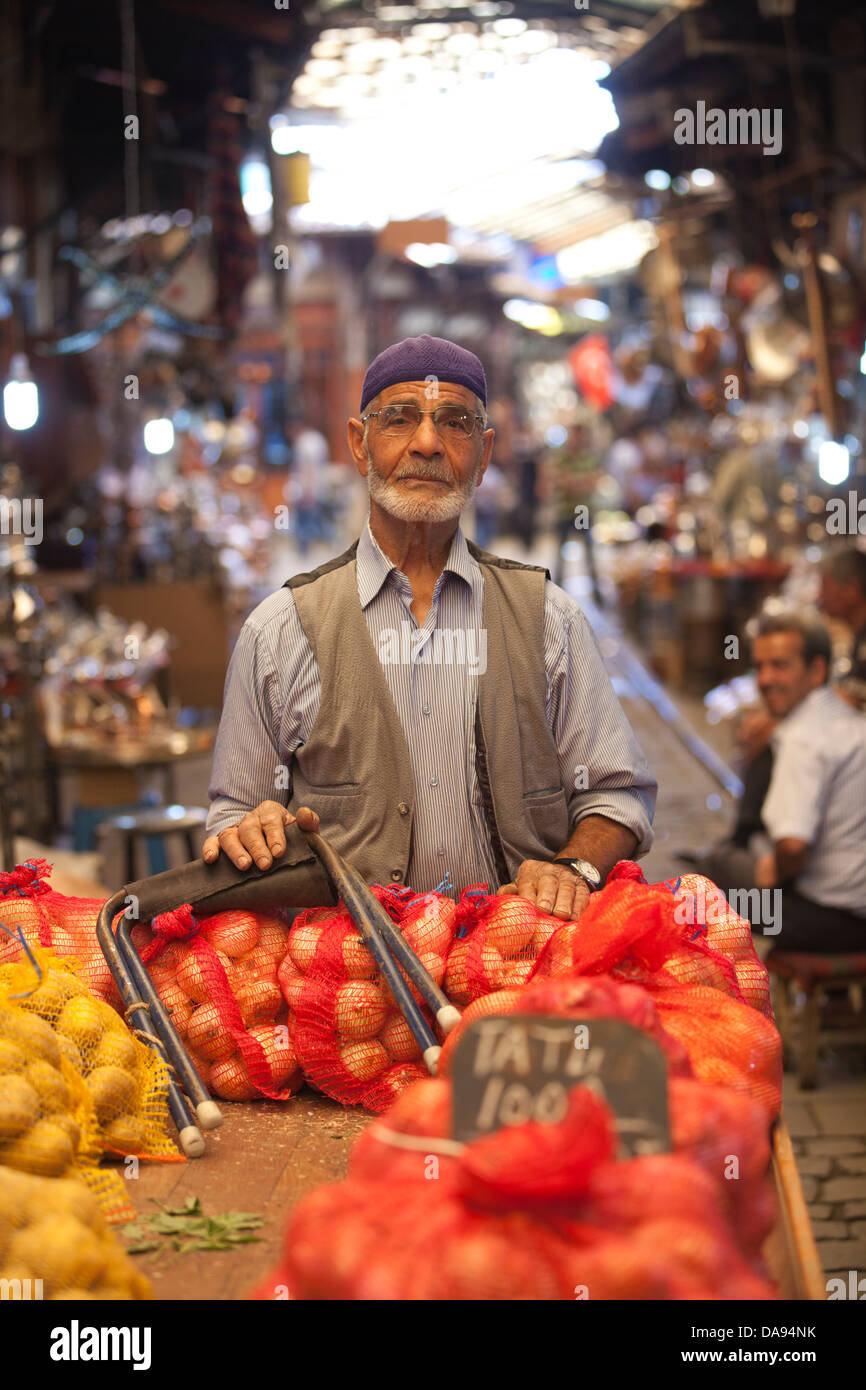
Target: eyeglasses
[452, 422]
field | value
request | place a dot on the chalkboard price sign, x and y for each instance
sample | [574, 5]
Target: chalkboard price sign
[508, 1070]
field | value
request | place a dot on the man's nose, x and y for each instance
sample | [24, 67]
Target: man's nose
[426, 438]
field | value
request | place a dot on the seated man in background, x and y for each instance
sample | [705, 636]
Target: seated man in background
[813, 815]
[843, 596]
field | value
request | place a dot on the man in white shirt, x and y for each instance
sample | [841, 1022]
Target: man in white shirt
[815, 808]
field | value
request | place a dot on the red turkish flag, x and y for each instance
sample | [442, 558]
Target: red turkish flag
[592, 367]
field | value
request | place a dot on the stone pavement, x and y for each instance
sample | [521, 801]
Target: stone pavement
[828, 1131]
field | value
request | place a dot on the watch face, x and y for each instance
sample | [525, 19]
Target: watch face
[587, 871]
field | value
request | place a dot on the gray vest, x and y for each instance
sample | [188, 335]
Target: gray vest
[355, 770]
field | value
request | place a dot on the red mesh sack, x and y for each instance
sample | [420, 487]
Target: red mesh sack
[65, 925]
[729, 934]
[351, 1039]
[500, 937]
[397, 1144]
[709, 1125]
[575, 996]
[217, 978]
[632, 928]
[679, 932]
[726, 1133]
[533, 1212]
[728, 1043]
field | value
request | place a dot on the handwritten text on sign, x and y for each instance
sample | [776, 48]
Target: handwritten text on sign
[508, 1070]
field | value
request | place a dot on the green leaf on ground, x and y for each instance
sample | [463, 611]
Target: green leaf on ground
[187, 1228]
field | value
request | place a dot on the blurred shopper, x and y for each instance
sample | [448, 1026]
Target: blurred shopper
[305, 490]
[576, 474]
[808, 840]
[492, 502]
[526, 476]
[843, 596]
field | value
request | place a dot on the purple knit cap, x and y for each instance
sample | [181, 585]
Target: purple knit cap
[417, 358]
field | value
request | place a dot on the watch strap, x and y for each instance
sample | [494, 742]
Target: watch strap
[573, 865]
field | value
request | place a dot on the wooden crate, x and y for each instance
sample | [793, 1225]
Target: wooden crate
[790, 1249]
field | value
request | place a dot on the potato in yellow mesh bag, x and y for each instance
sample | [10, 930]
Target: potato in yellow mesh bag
[54, 1243]
[126, 1083]
[48, 1123]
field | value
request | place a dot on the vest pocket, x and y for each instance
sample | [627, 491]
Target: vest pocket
[336, 805]
[547, 814]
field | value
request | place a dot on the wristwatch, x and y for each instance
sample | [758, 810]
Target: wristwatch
[588, 872]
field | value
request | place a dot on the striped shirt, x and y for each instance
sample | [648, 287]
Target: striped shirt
[273, 691]
[817, 793]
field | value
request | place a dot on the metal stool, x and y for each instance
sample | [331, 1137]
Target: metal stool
[813, 973]
[153, 826]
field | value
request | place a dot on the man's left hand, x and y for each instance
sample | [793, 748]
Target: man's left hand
[766, 871]
[552, 887]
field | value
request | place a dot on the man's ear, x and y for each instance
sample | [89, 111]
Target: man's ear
[355, 437]
[487, 440]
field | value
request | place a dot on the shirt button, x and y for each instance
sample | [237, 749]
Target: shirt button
[403, 809]
[434, 781]
[425, 709]
[396, 874]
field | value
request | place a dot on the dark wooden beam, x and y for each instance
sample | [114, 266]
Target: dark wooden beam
[265, 26]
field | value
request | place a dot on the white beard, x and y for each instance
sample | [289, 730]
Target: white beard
[388, 496]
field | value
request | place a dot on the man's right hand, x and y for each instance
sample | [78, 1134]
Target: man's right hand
[259, 837]
[755, 730]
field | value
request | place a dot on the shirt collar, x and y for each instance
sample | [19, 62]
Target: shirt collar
[811, 705]
[373, 568]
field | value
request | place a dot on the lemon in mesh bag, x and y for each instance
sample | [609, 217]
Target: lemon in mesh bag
[125, 1082]
[54, 1243]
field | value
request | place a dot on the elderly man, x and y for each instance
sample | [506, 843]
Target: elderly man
[440, 710]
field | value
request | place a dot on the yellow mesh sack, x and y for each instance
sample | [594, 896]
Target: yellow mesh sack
[125, 1082]
[54, 1243]
[48, 1123]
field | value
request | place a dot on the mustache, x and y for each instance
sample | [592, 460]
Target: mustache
[422, 471]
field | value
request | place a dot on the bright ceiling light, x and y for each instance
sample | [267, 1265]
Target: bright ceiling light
[323, 67]
[834, 462]
[530, 314]
[657, 179]
[20, 395]
[592, 309]
[159, 436]
[703, 178]
[256, 192]
[461, 44]
[536, 41]
[611, 253]
[508, 28]
[523, 127]
[430, 253]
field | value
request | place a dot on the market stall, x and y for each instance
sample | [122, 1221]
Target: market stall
[555, 1153]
